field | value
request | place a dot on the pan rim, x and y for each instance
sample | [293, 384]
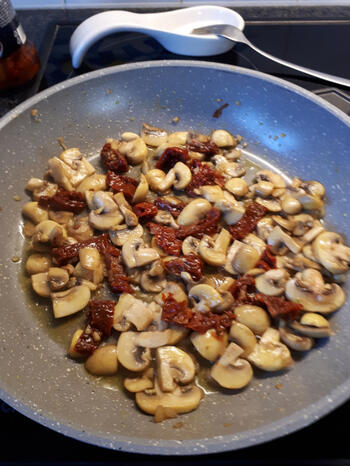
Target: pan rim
[287, 425]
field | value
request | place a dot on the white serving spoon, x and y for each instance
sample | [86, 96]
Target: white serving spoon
[172, 29]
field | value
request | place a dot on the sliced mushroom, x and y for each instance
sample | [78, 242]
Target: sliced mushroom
[182, 399]
[230, 371]
[41, 188]
[35, 213]
[274, 178]
[93, 183]
[62, 217]
[80, 229]
[270, 354]
[66, 303]
[194, 211]
[190, 245]
[79, 167]
[105, 213]
[264, 227]
[214, 252]
[90, 265]
[205, 297]
[71, 350]
[131, 311]
[232, 169]
[120, 234]
[308, 289]
[38, 263]
[48, 233]
[209, 345]
[240, 258]
[130, 355]
[139, 384]
[141, 190]
[211, 193]
[237, 186]
[256, 242]
[273, 282]
[271, 204]
[312, 325]
[302, 223]
[293, 340]
[153, 279]
[183, 175]
[330, 251]
[175, 289]
[153, 136]
[165, 218]
[160, 181]
[40, 284]
[232, 212]
[243, 336]
[222, 138]
[263, 188]
[253, 317]
[133, 147]
[125, 208]
[103, 361]
[313, 232]
[173, 366]
[278, 239]
[290, 205]
[57, 278]
[135, 254]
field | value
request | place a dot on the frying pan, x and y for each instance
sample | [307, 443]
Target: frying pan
[287, 129]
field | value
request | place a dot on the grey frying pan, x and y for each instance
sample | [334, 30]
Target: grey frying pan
[287, 129]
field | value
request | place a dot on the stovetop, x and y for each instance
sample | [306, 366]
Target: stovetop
[316, 44]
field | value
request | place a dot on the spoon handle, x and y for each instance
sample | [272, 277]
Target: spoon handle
[236, 35]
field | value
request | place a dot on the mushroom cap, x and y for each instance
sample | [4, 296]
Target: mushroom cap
[103, 361]
[209, 345]
[130, 355]
[135, 254]
[270, 354]
[173, 365]
[209, 253]
[312, 325]
[308, 289]
[272, 282]
[194, 211]
[230, 371]
[329, 250]
[243, 336]
[254, 317]
[66, 303]
[40, 284]
[205, 296]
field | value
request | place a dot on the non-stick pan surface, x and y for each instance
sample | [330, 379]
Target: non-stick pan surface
[286, 128]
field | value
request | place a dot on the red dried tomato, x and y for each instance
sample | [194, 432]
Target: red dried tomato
[122, 184]
[243, 290]
[118, 281]
[64, 254]
[219, 110]
[101, 315]
[267, 261]
[207, 226]
[170, 157]
[208, 148]
[254, 212]
[86, 344]
[174, 208]
[71, 201]
[190, 263]
[145, 211]
[180, 314]
[113, 159]
[165, 238]
[278, 306]
[203, 175]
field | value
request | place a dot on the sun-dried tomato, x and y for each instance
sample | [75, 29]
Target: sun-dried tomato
[118, 281]
[219, 110]
[191, 263]
[122, 184]
[64, 254]
[165, 238]
[113, 159]
[203, 175]
[207, 226]
[267, 261]
[101, 315]
[254, 212]
[208, 148]
[71, 201]
[174, 208]
[170, 157]
[243, 290]
[278, 306]
[86, 343]
[178, 313]
[145, 211]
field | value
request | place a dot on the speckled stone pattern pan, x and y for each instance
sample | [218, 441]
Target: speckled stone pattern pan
[287, 129]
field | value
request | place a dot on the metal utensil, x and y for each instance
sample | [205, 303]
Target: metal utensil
[236, 35]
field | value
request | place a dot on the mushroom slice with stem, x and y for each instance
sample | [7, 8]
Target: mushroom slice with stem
[214, 252]
[90, 265]
[80, 229]
[312, 325]
[232, 211]
[131, 311]
[182, 399]
[175, 289]
[41, 188]
[40, 284]
[35, 213]
[141, 190]
[165, 218]
[130, 217]
[79, 167]
[120, 234]
[206, 298]
[173, 365]
[66, 303]
[230, 371]
[308, 289]
[153, 279]
[254, 317]
[256, 242]
[190, 245]
[133, 147]
[231, 169]
[136, 254]
[194, 211]
[153, 136]
[329, 249]
[57, 278]
[131, 355]
[139, 384]
[273, 282]
[240, 258]
[209, 345]
[60, 216]
[293, 340]
[105, 213]
[290, 205]
[274, 178]
[159, 181]
[47, 234]
[103, 361]
[243, 336]
[278, 239]
[270, 354]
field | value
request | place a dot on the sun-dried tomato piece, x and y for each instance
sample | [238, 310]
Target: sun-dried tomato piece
[178, 313]
[71, 201]
[219, 110]
[203, 175]
[113, 159]
[254, 212]
[170, 157]
[172, 207]
[278, 306]
[86, 343]
[207, 226]
[118, 281]
[145, 211]
[190, 263]
[122, 184]
[208, 148]
[101, 315]
[267, 261]
[243, 290]
[64, 254]
[165, 238]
